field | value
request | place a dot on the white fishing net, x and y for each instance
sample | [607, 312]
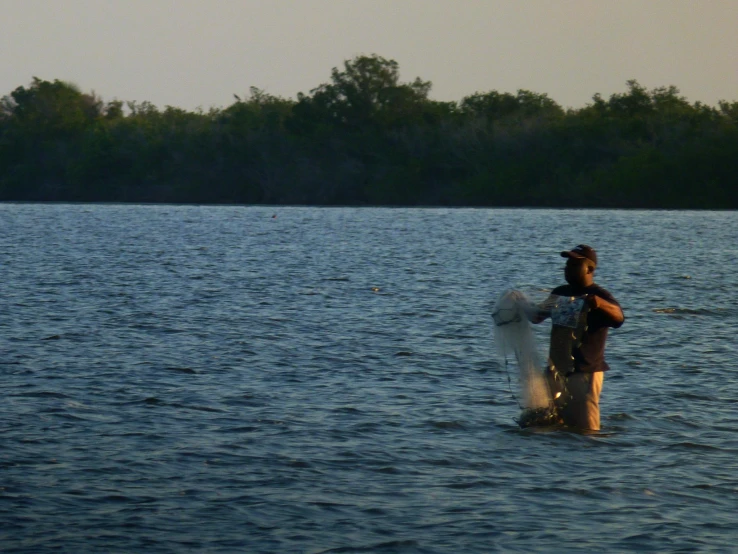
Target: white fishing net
[514, 339]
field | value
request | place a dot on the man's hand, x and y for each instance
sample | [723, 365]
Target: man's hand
[612, 311]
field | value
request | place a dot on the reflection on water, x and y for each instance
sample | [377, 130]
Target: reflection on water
[216, 379]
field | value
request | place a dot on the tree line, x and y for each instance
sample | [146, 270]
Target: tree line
[367, 138]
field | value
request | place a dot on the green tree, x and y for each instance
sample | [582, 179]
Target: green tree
[367, 92]
[44, 124]
[495, 105]
[55, 108]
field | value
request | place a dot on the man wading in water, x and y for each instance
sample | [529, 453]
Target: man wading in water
[581, 312]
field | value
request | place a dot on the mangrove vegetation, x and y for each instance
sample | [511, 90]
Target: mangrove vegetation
[367, 138]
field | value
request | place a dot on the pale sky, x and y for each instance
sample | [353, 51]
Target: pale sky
[198, 53]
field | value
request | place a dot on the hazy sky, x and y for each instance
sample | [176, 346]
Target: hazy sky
[198, 53]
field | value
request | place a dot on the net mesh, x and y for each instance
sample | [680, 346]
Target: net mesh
[514, 339]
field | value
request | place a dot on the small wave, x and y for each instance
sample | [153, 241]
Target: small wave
[390, 546]
[681, 420]
[374, 511]
[41, 394]
[692, 446]
[194, 407]
[694, 396]
[620, 417]
[453, 336]
[63, 415]
[241, 429]
[245, 400]
[688, 311]
[346, 410]
[187, 370]
[446, 425]
[115, 498]
[471, 485]
[702, 486]
[271, 422]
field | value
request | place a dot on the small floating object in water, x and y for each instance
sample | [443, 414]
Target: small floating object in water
[53, 337]
[376, 289]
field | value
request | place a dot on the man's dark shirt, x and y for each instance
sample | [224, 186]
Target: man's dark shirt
[590, 356]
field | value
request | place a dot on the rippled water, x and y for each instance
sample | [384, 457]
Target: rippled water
[216, 379]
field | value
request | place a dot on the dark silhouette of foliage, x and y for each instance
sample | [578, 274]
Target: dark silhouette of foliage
[367, 138]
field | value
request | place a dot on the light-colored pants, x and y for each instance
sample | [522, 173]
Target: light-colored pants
[582, 407]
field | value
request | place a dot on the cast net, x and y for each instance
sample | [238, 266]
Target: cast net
[514, 339]
[542, 394]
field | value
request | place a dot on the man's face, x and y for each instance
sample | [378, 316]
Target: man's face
[577, 272]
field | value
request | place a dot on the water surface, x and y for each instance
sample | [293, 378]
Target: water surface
[216, 379]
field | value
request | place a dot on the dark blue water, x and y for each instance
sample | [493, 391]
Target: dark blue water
[214, 379]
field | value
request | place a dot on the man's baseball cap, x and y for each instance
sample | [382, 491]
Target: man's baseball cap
[581, 251]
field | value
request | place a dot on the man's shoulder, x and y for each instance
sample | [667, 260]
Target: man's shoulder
[565, 290]
[603, 292]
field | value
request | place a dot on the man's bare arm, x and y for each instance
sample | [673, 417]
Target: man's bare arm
[539, 312]
[610, 309]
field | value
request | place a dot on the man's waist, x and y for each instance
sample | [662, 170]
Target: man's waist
[575, 371]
